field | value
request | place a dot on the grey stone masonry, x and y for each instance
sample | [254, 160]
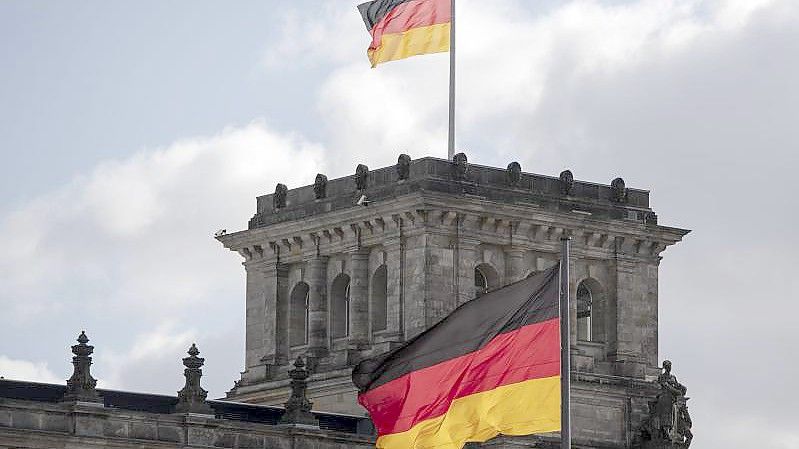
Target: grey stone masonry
[394, 253]
[31, 417]
[191, 399]
[81, 385]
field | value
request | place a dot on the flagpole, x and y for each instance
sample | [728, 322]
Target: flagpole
[451, 137]
[565, 343]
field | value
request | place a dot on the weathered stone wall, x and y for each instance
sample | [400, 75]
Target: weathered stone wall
[432, 230]
[29, 424]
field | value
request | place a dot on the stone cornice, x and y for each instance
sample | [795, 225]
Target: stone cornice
[525, 226]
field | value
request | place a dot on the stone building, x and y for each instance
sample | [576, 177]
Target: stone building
[347, 268]
[78, 415]
[351, 267]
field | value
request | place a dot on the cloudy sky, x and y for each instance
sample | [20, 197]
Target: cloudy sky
[131, 131]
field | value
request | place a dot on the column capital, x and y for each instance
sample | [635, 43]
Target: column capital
[360, 253]
[515, 250]
[316, 260]
[264, 266]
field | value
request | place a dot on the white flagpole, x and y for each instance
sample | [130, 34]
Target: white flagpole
[451, 139]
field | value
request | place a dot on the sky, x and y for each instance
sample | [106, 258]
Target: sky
[131, 131]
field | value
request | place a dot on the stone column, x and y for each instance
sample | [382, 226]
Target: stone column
[281, 277]
[274, 317]
[626, 349]
[318, 341]
[515, 268]
[467, 260]
[415, 284]
[440, 283]
[394, 273]
[359, 300]
[650, 311]
[256, 315]
[573, 274]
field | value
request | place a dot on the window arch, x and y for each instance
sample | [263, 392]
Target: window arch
[379, 309]
[340, 307]
[299, 315]
[584, 302]
[590, 311]
[485, 279]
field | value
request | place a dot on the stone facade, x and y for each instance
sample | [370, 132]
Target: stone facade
[32, 416]
[385, 254]
[78, 415]
[348, 268]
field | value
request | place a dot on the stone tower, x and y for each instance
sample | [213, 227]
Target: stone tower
[350, 267]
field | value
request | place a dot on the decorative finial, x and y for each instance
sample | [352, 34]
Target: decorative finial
[191, 399]
[514, 174]
[361, 176]
[320, 186]
[82, 338]
[566, 182]
[81, 386]
[298, 407]
[460, 168]
[403, 166]
[279, 198]
[619, 190]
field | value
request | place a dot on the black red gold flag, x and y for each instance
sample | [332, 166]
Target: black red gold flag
[404, 28]
[492, 367]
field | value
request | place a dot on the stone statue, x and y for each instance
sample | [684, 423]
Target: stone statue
[320, 186]
[566, 182]
[279, 198]
[361, 176]
[403, 166]
[619, 190]
[514, 174]
[669, 423]
[460, 170]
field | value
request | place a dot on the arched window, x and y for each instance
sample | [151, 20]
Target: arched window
[584, 303]
[590, 311]
[380, 299]
[485, 279]
[480, 282]
[340, 307]
[298, 315]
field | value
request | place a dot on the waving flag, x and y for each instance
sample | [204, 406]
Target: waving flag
[491, 367]
[404, 28]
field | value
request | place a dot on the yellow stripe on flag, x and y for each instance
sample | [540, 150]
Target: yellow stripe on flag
[523, 408]
[416, 41]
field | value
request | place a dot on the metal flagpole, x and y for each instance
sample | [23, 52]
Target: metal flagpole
[565, 359]
[451, 139]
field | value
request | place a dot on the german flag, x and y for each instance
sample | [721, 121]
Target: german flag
[404, 28]
[491, 367]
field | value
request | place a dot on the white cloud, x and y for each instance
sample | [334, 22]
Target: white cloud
[27, 370]
[127, 251]
[149, 362]
[694, 99]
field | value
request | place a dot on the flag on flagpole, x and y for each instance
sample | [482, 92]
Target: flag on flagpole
[491, 367]
[405, 28]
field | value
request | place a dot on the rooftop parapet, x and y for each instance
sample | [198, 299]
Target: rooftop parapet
[456, 177]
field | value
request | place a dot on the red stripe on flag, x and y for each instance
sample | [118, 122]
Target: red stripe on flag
[409, 15]
[530, 352]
